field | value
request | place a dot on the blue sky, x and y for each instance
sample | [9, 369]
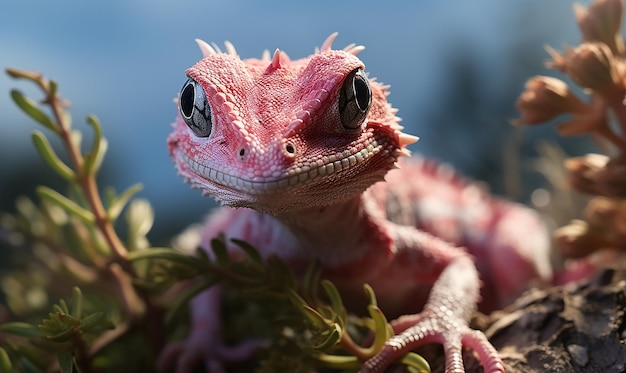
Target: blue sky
[124, 61]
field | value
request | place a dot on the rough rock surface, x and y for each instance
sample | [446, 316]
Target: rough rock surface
[574, 328]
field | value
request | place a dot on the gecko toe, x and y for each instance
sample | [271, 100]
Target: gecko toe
[453, 339]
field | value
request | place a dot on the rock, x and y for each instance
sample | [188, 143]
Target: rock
[574, 328]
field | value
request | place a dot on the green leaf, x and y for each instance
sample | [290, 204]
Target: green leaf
[167, 254]
[90, 321]
[250, 250]
[296, 299]
[93, 160]
[416, 361]
[61, 307]
[33, 76]
[221, 252]
[370, 294]
[118, 203]
[333, 337]
[77, 302]
[22, 329]
[315, 317]
[49, 155]
[5, 362]
[335, 301]
[280, 274]
[64, 307]
[66, 361]
[31, 109]
[177, 307]
[382, 331]
[95, 323]
[68, 205]
[202, 255]
[310, 281]
[139, 218]
[59, 326]
[338, 362]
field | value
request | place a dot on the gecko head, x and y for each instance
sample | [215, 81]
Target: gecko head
[276, 135]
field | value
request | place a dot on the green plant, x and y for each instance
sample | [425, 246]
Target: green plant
[128, 298]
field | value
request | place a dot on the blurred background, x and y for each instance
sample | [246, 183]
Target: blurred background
[455, 70]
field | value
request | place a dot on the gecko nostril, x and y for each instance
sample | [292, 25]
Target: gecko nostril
[242, 152]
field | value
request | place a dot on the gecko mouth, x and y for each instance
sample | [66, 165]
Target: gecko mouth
[303, 173]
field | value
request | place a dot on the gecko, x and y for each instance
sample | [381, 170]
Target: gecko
[310, 162]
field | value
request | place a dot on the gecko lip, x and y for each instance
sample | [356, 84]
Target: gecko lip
[326, 166]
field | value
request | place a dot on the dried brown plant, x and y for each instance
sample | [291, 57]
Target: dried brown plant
[598, 66]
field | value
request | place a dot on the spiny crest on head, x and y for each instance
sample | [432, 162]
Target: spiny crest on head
[281, 58]
[328, 45]
[208, 50]
[211, 49]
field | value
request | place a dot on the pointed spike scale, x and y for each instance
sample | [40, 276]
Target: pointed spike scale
[276, 59]
[406, 139]
[230, 48]
[328, 43]
[205, 48]
[266, 55]
[216, 47]
[355, 49]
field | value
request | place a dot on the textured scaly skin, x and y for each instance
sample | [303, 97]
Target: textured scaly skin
[305, 146]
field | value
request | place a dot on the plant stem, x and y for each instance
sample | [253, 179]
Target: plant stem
[82, 356]
[136, 301]
[87, 181]
[353, 348]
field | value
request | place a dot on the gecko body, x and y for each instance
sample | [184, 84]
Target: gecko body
[315, 156]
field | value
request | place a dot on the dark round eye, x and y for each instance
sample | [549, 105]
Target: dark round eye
[195, 108]
[354, 99]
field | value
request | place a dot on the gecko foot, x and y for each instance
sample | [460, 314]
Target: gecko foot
[191, 355]
[444, 319]
[436, 326]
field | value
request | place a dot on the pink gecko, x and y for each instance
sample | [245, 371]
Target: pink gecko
[305, 146]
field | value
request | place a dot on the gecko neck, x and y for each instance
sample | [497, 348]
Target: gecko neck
[333, 233]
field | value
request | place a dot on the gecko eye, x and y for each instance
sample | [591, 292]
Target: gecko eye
[354, 99]
[195, 108]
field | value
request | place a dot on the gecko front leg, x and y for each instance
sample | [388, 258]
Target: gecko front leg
[446, 315]
[204, 348]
